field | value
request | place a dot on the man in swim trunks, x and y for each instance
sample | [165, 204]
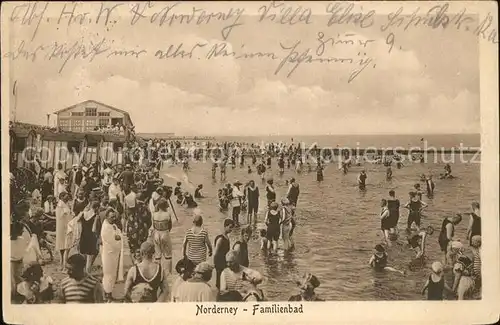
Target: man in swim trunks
[362, 180]
[415, 207]
[393, 204]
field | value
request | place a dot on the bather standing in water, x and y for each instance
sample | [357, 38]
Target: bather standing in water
[447, 170]
[388, 173]
[362, 180]
[430, 186]
[319, 172]
[393, 205]
[287, 224]
[415, 207]
[385, 221]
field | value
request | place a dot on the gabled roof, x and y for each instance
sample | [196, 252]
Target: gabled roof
[92, 101]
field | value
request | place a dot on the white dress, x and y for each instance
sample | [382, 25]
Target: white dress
[112, 256]
[63, 216]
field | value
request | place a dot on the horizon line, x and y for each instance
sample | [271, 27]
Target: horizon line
[304, 135]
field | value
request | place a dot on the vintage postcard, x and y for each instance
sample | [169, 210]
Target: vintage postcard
[250, 162]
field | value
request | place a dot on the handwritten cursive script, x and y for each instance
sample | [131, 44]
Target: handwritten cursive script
[334, 33]
[295, 58]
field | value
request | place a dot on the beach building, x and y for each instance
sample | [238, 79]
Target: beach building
[91, 115]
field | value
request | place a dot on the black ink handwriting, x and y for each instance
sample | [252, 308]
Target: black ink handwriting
[78, 49]
[461, 19]
[178, 51]
[232, 14]
[484, 26]
[138, 11]
[363, 20]
[436, 17]
[27, 13]
[22, 52]
[346, 39]
[167, 16]
[127, 53]
[287, 14]
[295, 58]
[222, 50]
[71, 14]
[107, 12]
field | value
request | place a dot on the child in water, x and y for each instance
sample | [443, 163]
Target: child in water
[263, 238]
[378, 261]
[435, 284]
[249, 169]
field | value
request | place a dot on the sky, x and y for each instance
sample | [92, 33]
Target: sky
[428, 83]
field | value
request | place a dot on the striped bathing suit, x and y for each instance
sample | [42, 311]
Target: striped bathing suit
[233, 280]
[74, 291]
[196, 249]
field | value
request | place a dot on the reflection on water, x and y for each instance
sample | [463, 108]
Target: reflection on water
[338, 226]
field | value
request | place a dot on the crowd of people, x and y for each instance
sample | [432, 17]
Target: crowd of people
[97, 207]
[465, 263]
[111, 129]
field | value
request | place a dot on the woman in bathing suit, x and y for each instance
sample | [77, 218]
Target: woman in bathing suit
[385, 221]
[435, 284]
[273, 219]
[378, 260]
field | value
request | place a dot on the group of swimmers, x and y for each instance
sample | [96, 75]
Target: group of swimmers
[466, 269]
[417, 237]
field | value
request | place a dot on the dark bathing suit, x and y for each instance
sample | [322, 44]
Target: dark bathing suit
[435, 289]
[414, 214]
[273, 227]
[243, 253]
[153, 283]
[253, 200]
[476, 227]
[393, 206]
[443, 238]
[380, 262]
[220, 257]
